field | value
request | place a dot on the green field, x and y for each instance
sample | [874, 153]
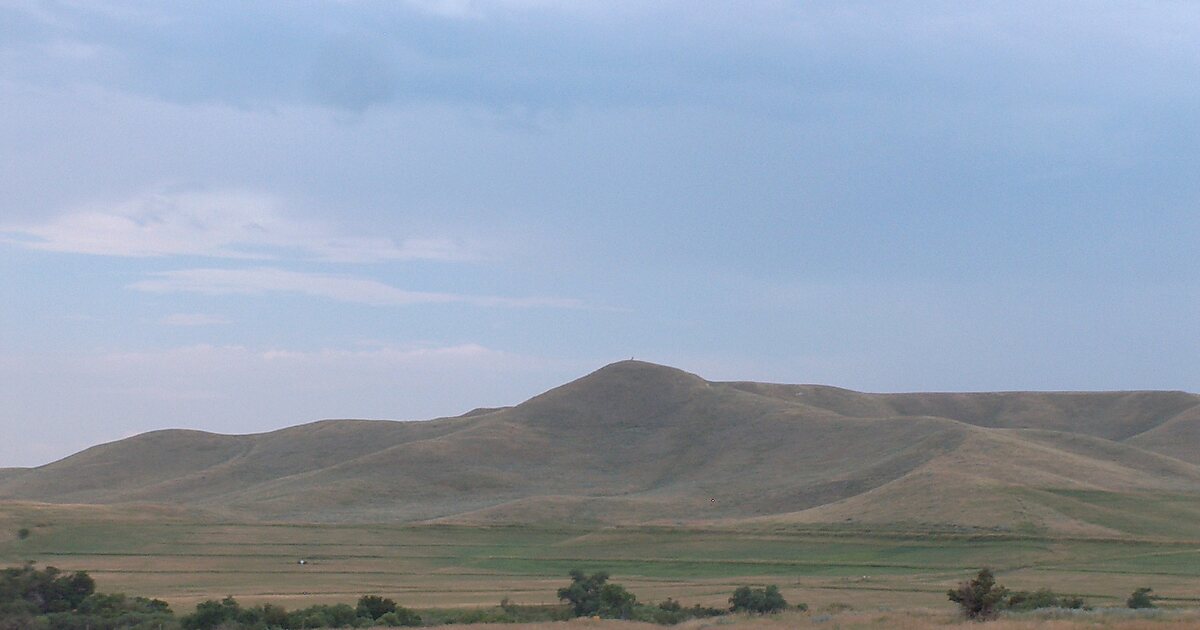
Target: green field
[184, 560]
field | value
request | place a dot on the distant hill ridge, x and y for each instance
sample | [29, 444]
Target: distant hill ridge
[636, 442]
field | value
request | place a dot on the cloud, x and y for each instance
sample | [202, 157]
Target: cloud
[218, 224]
[193, 319]
[187, 360]
[476, 9]
[265, 280]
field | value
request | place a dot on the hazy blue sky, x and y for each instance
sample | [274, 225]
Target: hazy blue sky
[238, 216]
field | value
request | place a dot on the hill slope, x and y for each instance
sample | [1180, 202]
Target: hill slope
[637, 442]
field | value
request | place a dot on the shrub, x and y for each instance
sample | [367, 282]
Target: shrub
[23, 533]
[616, 602]
[757, 600]
[113, 604]
[979, 597]
[401, 616]
[671, 612]
[210, 614]
[1043, 598]
[323, 616]
[592, 595]
[583, 594]
[1141, 598]
[373, 606]
[44, 591]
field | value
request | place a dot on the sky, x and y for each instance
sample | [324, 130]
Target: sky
[239, 216]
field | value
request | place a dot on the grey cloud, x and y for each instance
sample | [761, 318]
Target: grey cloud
[267, 280]
[776, 56]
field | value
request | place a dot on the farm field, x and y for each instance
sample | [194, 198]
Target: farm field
[185, 558]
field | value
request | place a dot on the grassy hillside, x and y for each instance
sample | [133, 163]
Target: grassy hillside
[641, 443]
[1178, 437]
[1110, 415]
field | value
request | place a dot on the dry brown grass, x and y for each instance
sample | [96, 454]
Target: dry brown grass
[641, 443]
[857, 620]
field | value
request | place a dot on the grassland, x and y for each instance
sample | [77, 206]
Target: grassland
[183, 559]
[888, 620]
[636, 443]
[677, 486]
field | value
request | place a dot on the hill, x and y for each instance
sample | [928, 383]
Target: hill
[640, 443]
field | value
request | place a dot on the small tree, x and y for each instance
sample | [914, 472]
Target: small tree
[616, 602]
[210, 614]
[757, 600]
[979, 597]
[1141, 598]
[583, 594]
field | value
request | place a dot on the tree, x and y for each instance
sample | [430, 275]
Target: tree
[210, 614]
[591, 595]
[1141, 598]
[616, 602]
[757, 600]
[44, 591]
[979, 597]
[583, 594]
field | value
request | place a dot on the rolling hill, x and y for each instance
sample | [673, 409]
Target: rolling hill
[641, 443]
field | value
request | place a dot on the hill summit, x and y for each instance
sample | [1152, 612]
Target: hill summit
[636, 442]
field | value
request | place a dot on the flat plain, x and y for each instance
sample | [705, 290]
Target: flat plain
[183, 558]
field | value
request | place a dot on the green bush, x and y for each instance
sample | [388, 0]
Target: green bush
[507, 612]
[592, 595]
[1043, 598]
[1141, 598]
[211, 613]
[757, 600]
[373, 606]
[583, 593]
[401, 616]
[672, 612]
[325, 616]
[980, 597]
[44, 591]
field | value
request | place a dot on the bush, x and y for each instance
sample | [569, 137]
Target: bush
[324, 616]
[757, 600]
[583, 594]
[671, 612]
[210, 614]
[113, 604]
[592, 595]
[373, 606]
[401, 616]
[507, 612]
[23, 533]
[122, 621]
[1141, 598]
[1043, 598]
[45, 591]
[980, 597]
[616, 602]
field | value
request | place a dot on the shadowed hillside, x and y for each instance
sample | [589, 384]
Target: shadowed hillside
[641, 443]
